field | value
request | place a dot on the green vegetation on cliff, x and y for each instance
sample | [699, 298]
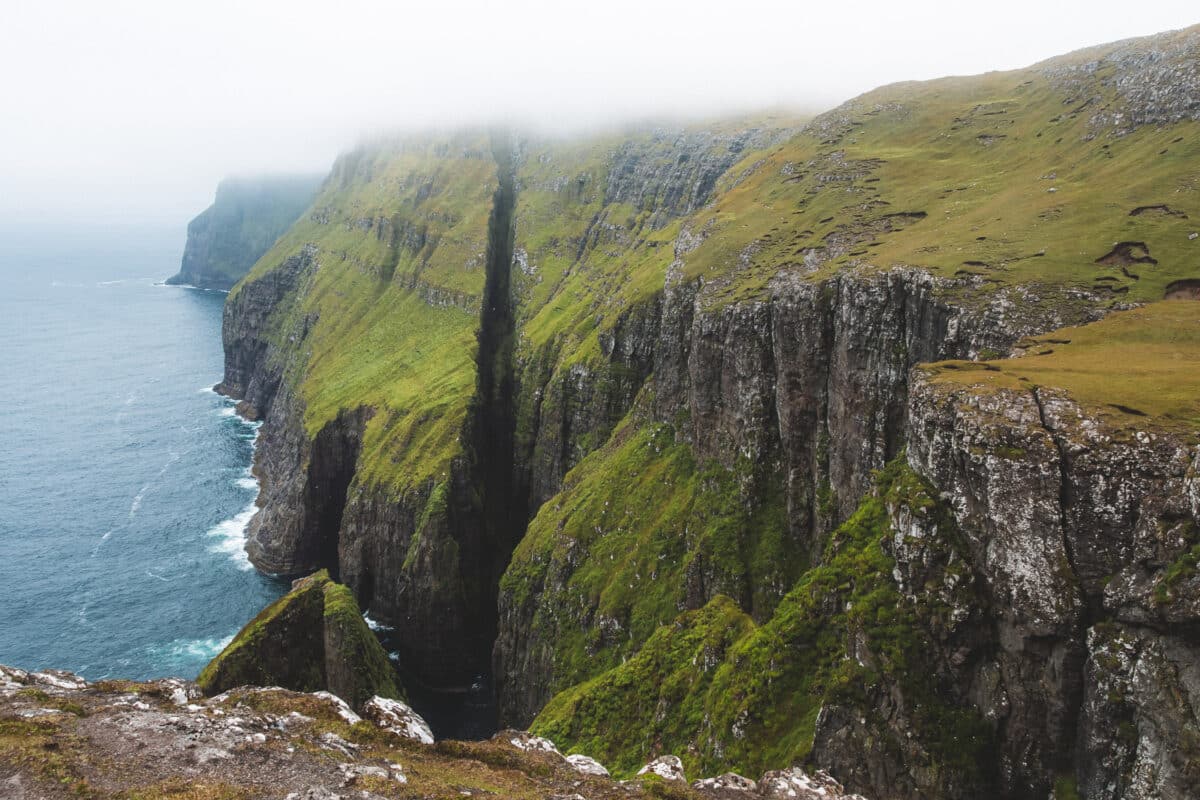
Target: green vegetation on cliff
[641, 531]
[280, 646]
[388, 316]
[313, 638]
[723, 693]
[1014, 202]
[1137, 369]
[999, 177]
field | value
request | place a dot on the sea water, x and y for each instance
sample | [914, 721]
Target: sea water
[125, 484]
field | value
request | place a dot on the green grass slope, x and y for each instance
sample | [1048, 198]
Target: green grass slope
[1025, 177]
[640, 531]
[1136, 369]
[724, 693]
[401, 230]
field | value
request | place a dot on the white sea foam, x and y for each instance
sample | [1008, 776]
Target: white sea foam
[230, 537]
[140, 496]
[206, 649]
[100, 543]
[375, 626]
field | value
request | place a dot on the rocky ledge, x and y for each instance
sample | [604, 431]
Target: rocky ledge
[63, 737]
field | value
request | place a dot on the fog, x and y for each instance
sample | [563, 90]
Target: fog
[130, 112]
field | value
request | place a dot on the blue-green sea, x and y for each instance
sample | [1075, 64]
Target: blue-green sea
[125, 483]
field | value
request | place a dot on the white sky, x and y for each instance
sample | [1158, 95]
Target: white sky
[125, 110]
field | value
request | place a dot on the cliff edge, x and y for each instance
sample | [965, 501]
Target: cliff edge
[245, 219]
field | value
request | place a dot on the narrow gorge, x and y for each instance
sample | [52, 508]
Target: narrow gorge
[846, 443]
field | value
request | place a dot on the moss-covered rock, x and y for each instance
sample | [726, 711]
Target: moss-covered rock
[311, 639]
[642, 531]
[728, 694]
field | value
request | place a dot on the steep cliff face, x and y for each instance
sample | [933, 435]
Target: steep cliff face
[1080, 519]
[245, 219]
[412, 492]
[851, 669]
[364, 467]
[780, 409]
[1033, 558]
[585, 413]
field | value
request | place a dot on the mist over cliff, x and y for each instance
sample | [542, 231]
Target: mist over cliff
[245, 219]
[635, 431]
[857, 451]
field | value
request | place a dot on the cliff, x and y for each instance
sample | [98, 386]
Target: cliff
[634, 429]
[245, 219]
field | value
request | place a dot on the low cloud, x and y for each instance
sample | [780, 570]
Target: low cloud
[134, 110]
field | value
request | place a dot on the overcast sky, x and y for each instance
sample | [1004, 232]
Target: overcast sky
[132, 111]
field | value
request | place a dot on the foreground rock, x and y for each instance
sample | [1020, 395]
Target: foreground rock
[313, 638]
[61, 737]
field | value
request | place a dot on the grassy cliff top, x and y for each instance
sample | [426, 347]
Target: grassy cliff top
[1024, 177]
[1081, 172]
[1136, 369]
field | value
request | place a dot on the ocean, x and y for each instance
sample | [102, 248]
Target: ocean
[125, 484]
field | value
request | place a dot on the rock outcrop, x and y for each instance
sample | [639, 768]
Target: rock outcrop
[1083, 533]
[312, 639]
[245, 219]
[62, 737]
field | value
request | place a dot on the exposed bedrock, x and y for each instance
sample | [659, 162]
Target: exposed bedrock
[1082, 536]
[253, 371]
[808, 386]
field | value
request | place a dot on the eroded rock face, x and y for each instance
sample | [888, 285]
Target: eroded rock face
[398, 718]
[811, 386]
[1082, 536]
[1155, 80]
[1139, 736]
[587, 765]
[795, 783]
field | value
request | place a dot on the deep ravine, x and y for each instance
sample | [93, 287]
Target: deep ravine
[490, 517]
